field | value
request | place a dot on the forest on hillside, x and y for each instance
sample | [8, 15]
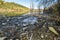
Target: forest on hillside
[12, 9]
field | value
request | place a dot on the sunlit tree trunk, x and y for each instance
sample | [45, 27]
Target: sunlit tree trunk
[39, 7]
[31, 6]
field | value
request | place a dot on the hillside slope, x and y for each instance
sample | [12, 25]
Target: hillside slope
[12, 9]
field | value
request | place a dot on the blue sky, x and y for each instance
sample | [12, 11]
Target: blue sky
[25, 2]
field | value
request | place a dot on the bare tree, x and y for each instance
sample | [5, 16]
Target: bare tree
[45, 3]
[31, 6]
[59, 7]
